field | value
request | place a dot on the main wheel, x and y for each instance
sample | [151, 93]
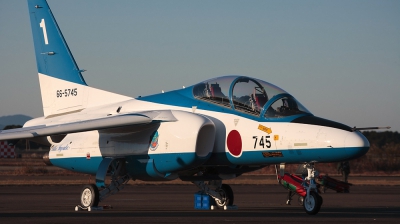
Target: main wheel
[89, 196]
[312, 204]
[226, 194]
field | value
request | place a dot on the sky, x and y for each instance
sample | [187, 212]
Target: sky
[340, 59]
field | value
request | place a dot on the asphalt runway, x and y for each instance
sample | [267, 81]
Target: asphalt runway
[175, 204]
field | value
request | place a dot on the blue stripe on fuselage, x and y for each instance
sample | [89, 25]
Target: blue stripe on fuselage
[321, 155]
[90, 166]
[78, 164]
[163, 163]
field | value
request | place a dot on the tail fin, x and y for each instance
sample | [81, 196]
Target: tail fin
[53, 56]
[62, 85]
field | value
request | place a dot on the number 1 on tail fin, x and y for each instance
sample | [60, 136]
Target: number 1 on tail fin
[43, 26]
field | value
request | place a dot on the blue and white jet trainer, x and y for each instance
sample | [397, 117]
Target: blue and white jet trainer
[215, 130]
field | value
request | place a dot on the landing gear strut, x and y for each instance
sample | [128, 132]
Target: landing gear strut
[91, 195]
[312, 201]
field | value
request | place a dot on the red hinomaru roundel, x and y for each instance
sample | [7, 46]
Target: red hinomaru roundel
[234, 143]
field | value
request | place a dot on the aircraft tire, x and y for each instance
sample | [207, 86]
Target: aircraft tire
[313, 205]
[227, 196]
[89, 196]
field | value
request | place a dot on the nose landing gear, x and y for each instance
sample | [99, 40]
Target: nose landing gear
[306, 188]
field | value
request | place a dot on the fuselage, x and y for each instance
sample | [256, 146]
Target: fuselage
[231, 136]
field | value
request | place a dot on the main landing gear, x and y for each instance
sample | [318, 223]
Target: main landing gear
[92, 194]
[226, 193]
[306, 188]
[221, 193]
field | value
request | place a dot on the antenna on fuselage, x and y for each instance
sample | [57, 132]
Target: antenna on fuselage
[369, 128]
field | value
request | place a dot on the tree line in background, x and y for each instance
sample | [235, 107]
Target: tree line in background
[22, 144]
[383, 155]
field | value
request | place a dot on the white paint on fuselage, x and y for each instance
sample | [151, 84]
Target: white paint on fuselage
[91, 103]
[290, 136]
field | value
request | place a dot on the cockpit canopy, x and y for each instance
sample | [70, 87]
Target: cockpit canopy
[250, 96]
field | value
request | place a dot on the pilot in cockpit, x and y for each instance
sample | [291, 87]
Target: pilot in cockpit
[258, 98]
[288, 106]
[207, 92]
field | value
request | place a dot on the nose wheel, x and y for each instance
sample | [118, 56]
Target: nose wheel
[312, 203]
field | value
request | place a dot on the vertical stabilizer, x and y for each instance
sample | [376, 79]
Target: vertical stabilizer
[62, 85]
[53, 56]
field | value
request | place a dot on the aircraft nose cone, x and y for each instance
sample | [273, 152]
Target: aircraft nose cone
[356, 144]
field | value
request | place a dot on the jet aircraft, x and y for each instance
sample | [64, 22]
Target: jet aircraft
[212, 131]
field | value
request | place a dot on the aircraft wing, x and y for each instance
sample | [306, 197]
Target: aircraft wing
[113, 121]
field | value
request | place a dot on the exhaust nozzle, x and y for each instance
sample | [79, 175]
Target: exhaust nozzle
[46, 159]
